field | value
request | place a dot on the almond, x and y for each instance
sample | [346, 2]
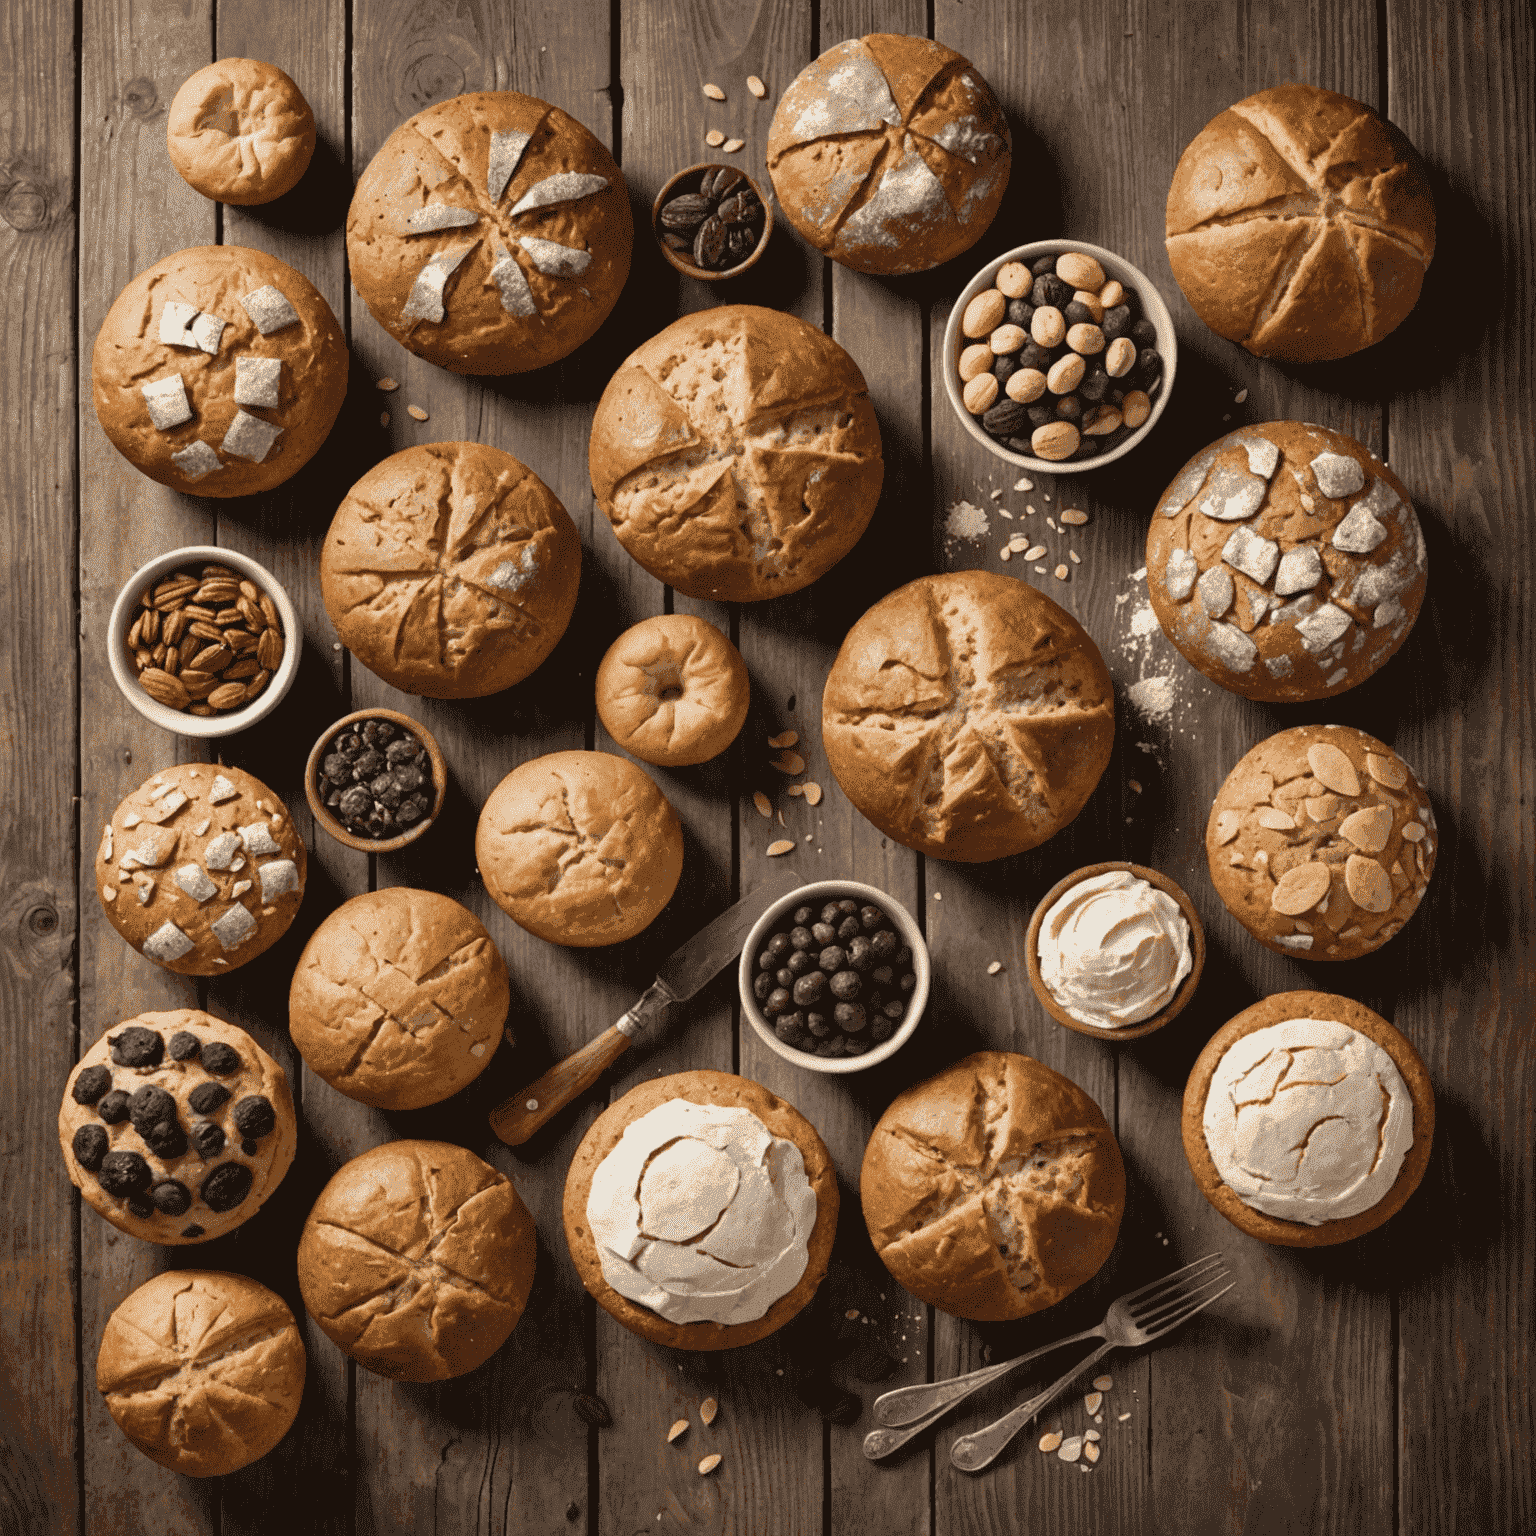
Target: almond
[763, 803]
[1386, 770]
[789, 762]
[212, 658]
[240, 640]
[1368, 829]
[238, 670]
[257, 683]
[1300, 889]
[227, 696]
[812, 792]
[775, 850]
[678, 1428]
[1367, 882]
[757, 87]
[709, 1464]
[707, 1411]
[714, 92]
[164, 689]
[269, 648]
[1332, 769]
[783, 739]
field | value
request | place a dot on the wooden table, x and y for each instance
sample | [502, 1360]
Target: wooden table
[1378, 1387]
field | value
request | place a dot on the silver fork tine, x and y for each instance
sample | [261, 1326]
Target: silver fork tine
[1184, 1317]
[1150, 1316]
[1178, 1278]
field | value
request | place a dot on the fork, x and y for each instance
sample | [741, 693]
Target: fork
[908, 1411]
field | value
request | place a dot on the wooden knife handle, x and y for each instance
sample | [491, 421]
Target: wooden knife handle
[526, 1112]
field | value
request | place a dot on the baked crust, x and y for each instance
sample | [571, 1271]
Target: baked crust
[978, 684]
[1277, 1010]
[203, 1370]
[941, 1204]
[417, 1260]
[731, 1092]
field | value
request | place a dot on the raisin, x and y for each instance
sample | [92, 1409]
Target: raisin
[137, 1047]
[90, 1146]
[91, 1084]
[226, 1186]
[171, 1197]
[184, 1045]
[221, 1059]
[113, 1107]
[208, 1139]
[123, 1174]
[207, 1097]
[255, 1117]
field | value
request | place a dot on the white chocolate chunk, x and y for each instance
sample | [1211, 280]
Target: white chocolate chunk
[258, 838]
[1359, 532]
[1300, 570]
[1233, 496]
[1387, 614]
[1252, 554]
[249, 437]
[1231, 647]
[269, 309]
[150, 854]
[144, 889]
[108, 894]
[192, 879]
[1413, 832]
[507, 274]
[1336, 676]
[220, 853]
[233, 927]
[257, 381]
[237, 863]
[566, 187]
[221, 790]
[439, 216]
[167, 401]
[1294, 940]
[131, 819]
[167, 943]
[1189, 482]
[1263, 456]
[1216, 591]
[1227, 824]
[425, 301]
[106, 844]
[196, 460]
[1320, 629]
[278, 877]
[1337, 475]
[1278, 666]
[1332, 769]
[239, 889]
[554, 259]
[201, 827]
[506, 150]
[184, 325]
[1179, 576]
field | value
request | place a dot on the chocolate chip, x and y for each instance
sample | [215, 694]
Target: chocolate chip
[1020, 312]
[140, 1207]
[137, 1047]
[337, 768]
[192, 1230]
[207, 1097]
[1078, 313]
[221, 1059]
[226, 1186]
[808, 988]
[208, 1139]
[849, 1017]
[846, 985]
[91, 1084]
[407, 778]
[90, 1145]
[1094, 387]
[778, 1000]
[255, 1117]
[848, 928]
[833, 958]
[350, 746]
[855, 1046]
[762, 985]
[790, 1028]
[803, 916]
[171, 1197]
[1050, 290]
[881, 1029]
[1116, 322]
[184, 1045]
[150, 1105]
[800, 963]
[123, 1174]
[884, 944]
[113, 1107]
[368, 764]
[410, 811]
[355, 803]
[861, 955]
[250, 1148]
[1042, 265]
[784, 976]
[819, 1025]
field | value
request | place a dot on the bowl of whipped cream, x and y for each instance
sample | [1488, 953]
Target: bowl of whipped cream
[1115, 950]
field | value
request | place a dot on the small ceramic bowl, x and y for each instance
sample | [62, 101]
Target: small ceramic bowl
[1116, 269]
[1186, 988]
[324, 817]
[125, 674]
[815, 895]
[688, 181]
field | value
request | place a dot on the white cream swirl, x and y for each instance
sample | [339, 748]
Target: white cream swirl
[702, 1214]
[1113, 950]
[1308, 1120]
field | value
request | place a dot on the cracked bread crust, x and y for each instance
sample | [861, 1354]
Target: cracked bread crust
[417, 1260]
[450, 570]
[968, 716]
[1277, 1010]
[399, 998]
[580, 848]
[202, 1370]
[731, 1092]
[736, 454]
[1300, 224]
[993, 1189]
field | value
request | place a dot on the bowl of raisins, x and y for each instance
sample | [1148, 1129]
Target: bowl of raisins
[711, 221]
[376, 780]
[834, 976]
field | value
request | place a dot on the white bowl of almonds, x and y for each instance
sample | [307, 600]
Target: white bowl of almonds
[1059, 356]
[203, 641]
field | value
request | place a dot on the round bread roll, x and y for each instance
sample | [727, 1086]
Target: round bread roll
[1286, 562]
[202, 1370]
[240, 131]
[490, 234]
[417, 1260]
[399, 998]
[677, 1200]
[1321, 842]
[200, 869]
[455, 609]
[890, 153]
[177, 1127]
[968, 716]
[219, 371]
[737, 454]
[1300, 224]
[673, 690]
[580, 848]
[993, 1189]
[1315, 1079]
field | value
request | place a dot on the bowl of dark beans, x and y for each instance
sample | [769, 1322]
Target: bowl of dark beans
[834, 976]
[711, 221]
[376, 780]
[1059, 356]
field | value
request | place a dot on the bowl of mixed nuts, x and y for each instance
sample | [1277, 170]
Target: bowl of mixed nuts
[203, 641]
[1059, 356]
[376, 780]
[712, 221]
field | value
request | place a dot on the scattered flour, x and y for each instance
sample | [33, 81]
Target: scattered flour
[1154, 698]
[967, 521]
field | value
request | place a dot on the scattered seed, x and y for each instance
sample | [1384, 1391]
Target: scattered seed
[383, 418]
[1240, 396]
[732, 145]
[781, 847]
[1050, 1440]
[1006, 553]
[1074, 557]
[416, 412]
[1093, 1402]
[1091, 1451]
[714, 92]
[788, 762]
[994, 968]
[1023, 485]
[714, 138]
[1061, 573]
[812, 792]
[851, 1314]
[1135, 785]
[757, 87]
[1050, 522]
[1034, 551]
[1041, 570]
[1071, 1449]
[1104, 1383]
[387, 384]
[1124, 1417]
[679, 1428]
[783, 739]
[1093, 1434]
[709, 1464]
[763, 803]
[707, 1411]
[794, 789]
[1074, 517]
[1004, 512]
[1029, 510]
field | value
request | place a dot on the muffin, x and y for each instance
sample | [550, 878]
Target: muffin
[673, 690]
[219, 371]
[889, 154]
[1308, 1120]
[240, 131]
[994, 1189]
[1321, 842]
[200, 869]
[399, 998]
[968, 716]
[737, 454]
[580, 848]
[700, 1211]
[1300, 224]
[490, 234]
[177, 1127]
[450, 570]
[417, 1260]
[1286, 562]
[202, 1370]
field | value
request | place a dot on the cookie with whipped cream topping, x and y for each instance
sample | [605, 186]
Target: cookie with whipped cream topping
[1286, 562]
[200, 869]
[700, 1211]
[1308, 1120]
[1321, 842]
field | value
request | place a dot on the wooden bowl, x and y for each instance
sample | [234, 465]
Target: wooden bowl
[677, 258]
[324, 818]
[1180, 998]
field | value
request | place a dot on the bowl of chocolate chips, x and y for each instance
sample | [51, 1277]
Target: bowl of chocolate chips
[376, 780]
[834, 976]
[711, 221]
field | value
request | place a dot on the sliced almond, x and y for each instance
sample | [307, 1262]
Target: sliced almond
[1227, 824]
[387, 384]
[1367, 882]
[1103, 1383]
[783, 739]
[714, 92]
[1061, 572]
[757, 87]
[1034, 552]
[1332, 769]
[1070, 1449]
[714, 138]
[789, 762]
[415, 412]
[783, 846]
[709, 1464]
[994, 968]
[1050, 1440]
[1092, 1434]
[812, 792]
[1322, 807]
[794, 790]
[1276, 821]
[1074, 518]
[732, 145]
[1413, 832]
[707, 1411]
[1300, 889]
[679, 1428]
[1091, 1451]
[1093, 1401]
[763, 803]
[1386, 770]
[1369, 829]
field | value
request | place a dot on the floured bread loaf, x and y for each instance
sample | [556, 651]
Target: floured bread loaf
[417, 1260]
[993, 1189]
[450, 570]
[1286, 562]
[202, 1370]
[1300, 224]
[737, 454]
[889, 153]
[968, 716]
